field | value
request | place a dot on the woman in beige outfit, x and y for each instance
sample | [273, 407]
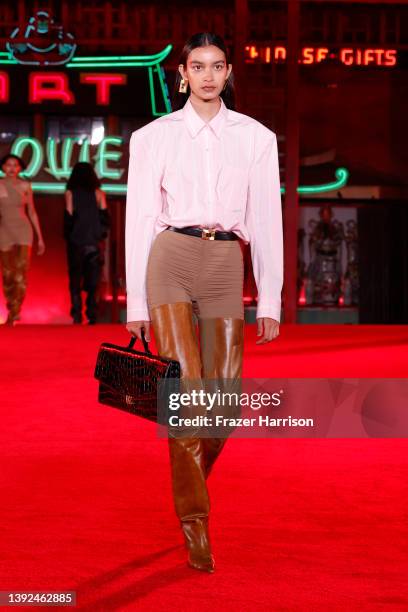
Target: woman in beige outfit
[200, 178]
[16, 233]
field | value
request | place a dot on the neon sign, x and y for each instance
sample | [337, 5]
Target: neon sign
[4, 87]
[107, 158]
[62, 169]
[57, 87]
[43, 42]
[103, 84]
[342, 175]
[316, 55]
[49, 86]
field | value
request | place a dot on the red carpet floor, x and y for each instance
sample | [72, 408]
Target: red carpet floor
[296, 524]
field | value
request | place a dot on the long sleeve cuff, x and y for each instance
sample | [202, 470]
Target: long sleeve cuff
[137, 309]
[269, 308]
[264, 224]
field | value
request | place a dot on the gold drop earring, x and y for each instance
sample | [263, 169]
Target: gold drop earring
[183, 86]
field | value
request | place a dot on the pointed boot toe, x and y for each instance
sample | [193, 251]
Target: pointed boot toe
[198, 544]
[205, 565]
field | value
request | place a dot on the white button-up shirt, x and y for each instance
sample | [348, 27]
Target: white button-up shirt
[222, 174]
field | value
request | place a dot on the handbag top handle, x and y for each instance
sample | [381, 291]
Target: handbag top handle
[145, 344]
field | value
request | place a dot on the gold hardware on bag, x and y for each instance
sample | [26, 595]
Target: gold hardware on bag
[208, 234]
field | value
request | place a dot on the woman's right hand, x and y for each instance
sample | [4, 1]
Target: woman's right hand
[135, 328]
[40, 247]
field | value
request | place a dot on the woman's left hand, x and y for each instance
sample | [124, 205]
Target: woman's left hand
[269, 328]
[40, 247]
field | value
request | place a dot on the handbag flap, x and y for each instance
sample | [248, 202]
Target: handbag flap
[131, 372]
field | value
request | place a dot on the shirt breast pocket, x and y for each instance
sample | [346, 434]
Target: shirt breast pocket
[234, 186]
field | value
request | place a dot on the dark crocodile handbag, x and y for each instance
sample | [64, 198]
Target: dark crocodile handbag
[130, 379]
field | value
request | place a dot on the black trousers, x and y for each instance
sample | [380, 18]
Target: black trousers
[84, 270]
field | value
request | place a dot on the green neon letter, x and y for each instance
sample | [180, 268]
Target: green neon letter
[103, 156]
[84, 153]
[37, 154]
[66, 154]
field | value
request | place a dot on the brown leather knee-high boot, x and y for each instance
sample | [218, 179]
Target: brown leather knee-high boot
[20, 278]
[7, 269]
[14, 264]
[221, 347]
[176, 338]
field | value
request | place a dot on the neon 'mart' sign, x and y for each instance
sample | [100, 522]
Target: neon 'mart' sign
[43, 44]
[48, 85]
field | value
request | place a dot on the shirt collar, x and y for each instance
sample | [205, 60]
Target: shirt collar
[195, 123]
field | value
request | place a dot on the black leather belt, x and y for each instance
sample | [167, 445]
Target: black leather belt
[204, 233]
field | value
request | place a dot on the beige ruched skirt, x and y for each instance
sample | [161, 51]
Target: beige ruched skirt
[207, 273]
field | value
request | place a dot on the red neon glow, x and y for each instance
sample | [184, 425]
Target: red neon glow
[4, 87]
[279, 53]
[369, 57]
[316, 55]
[302, 295]
[49, 86]
[308, 55]
[321, 54]
[109, 298]
[252, 52]
[103, 83]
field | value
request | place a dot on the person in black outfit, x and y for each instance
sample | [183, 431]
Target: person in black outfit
[86, 223]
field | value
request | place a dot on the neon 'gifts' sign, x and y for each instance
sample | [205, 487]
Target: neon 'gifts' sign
[348, 56]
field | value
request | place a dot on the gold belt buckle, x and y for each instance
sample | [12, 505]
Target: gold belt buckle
[208, 234]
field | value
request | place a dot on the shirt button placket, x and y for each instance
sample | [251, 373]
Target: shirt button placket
[207, 155]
